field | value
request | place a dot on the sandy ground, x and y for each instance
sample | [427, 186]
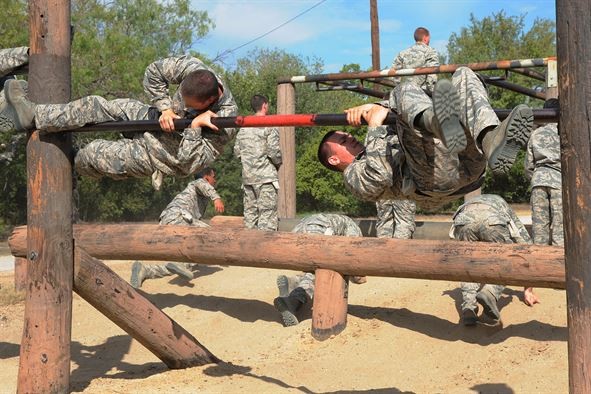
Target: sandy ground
[402, 336]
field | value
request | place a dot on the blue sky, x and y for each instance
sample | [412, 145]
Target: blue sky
[338, 31]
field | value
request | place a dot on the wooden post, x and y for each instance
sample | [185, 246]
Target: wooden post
[20, 273]
[375, 34]
[116, 299]
[45, 347]
[329, 313]
[287, 171]
[552, 79]
[573, 27]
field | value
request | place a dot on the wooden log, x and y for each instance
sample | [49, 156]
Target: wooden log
[329, 313]
[510, 264]
[573, 23]
[44, 364]
[116, 299]
[375, 34]
[20, 273]
[286, 207]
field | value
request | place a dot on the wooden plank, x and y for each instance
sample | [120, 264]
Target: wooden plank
[329, 312]
[485, 262]
[286, 206]
[573, 22]
[116, 299]
[44, 364]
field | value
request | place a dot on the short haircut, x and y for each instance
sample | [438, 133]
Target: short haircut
[551, 103]
[257, 101]
[324, 151]
[204, 172]
[200, 85]
[420, 33]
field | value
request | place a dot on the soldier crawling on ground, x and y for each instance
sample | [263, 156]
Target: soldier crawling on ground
[200, 93]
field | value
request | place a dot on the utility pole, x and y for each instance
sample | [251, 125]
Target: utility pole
[375, 34]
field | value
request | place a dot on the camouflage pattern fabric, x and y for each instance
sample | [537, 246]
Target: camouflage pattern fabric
[324, 224]
[395, 219]
[486, 218]
[546, 215]
[423, 169]
[542, 166]
[12, 58]
[418, 55]
[155, 154]
[258, 150]
[260, 206]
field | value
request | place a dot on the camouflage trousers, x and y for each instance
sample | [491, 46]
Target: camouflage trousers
[305, 281]
[395, 219]
[480, 231]
[433, 169]
[546, 215]
[260, 206]
[11, 59]
[176, 218]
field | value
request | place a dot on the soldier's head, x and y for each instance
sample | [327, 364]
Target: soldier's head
[259, 104]
[208, 174]
[422, 35]
[338, 149]
[200, 89]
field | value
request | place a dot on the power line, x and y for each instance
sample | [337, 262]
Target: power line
[225, 53]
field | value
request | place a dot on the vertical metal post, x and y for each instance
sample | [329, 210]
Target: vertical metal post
[45, 347]
[287, 171]
[573, 23]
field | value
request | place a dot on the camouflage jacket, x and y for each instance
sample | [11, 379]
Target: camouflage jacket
[418, 55]
[192, 202]
[258, 149]
[11, 59]
[491, 210]
[328, 224]
[542, 157]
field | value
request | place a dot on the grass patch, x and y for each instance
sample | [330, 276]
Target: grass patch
[9, 296]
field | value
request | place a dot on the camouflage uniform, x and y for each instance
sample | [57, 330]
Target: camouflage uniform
[542, 165]
[418, 55]
[258, 149]
[486, 218]
[186, 209]
[423, 169]
[147, 154]
[10, 60]
[395, 219]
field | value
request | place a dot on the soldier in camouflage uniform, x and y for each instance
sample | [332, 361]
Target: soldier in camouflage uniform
[200, 93]
[418, 55]
[445, 143]
[186, 209]
[258, 150]
[542, 166]
[487, 218]
[395, 218]
[297, 292]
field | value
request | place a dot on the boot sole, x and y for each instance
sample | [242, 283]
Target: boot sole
[135, 275]
[179, 271]
[518, 131]
[446, 102]
[288, 317]
[489, 305]
[283, 285]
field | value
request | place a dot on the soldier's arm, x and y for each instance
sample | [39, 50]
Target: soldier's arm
[524, 236]
[205, 189]
[397, 64]
[273, 148]
[11, 59]
[432, 60]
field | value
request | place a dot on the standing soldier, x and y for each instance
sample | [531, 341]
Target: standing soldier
[418, 55]
[542, 166]
[487, 218]
[258, 149]
[295, 292]
[186, 209]
[395, 218]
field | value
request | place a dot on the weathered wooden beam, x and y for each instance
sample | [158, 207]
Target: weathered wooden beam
[515, 264]
[44, 364]
[330, 303]
[573, 28]
[286, 205]
[116, 299]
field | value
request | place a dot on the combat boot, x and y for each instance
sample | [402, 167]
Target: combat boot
[180, 269]
[470, 317]
[289, 306]
[489, 304]
[502, 144]
[139, 273]
[444, 119]
[286, 284]
[19, 112]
